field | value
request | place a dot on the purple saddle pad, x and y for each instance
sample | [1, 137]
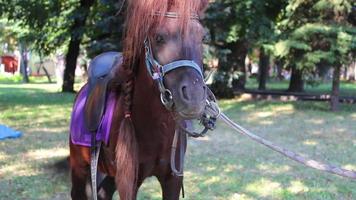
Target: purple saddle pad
[79, 134]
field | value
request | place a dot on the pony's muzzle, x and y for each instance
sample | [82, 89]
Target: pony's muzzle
[192, 98]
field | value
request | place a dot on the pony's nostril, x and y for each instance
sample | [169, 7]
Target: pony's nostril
[184, 92]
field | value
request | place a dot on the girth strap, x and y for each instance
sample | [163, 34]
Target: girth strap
[94, 158]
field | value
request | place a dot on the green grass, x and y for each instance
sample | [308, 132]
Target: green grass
[346, 88]
[221, 166]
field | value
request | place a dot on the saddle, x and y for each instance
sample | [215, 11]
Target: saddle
[101, 71]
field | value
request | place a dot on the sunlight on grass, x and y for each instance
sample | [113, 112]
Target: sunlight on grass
[353, 116]
[316, 132]
[310, 142]
[47, 153]
[317, 121]
[297, 187]
[3, 156]
[264, 187]
[248, 107]
[18, 169]
[350, 167]
[274, 169]
[212, 180]
[237, 196]
[267, 122]
[232, 168]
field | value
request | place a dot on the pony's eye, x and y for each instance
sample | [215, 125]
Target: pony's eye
[159, 39]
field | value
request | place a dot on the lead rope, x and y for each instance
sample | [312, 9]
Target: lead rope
[212, 107]
[178, 172]
[175, 171]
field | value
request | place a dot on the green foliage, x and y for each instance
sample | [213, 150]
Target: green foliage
[252, 20]
[7, 37]
[105, 27]
[315, 32]
[41, 24]
[236, 28]
[47, 25]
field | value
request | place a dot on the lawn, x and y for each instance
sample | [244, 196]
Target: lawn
[221, 166]
[346, 88]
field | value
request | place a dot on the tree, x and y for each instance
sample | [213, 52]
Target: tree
[105, 27]
[77, 31]
[98, 28]
[7, 39]
[66, 25]
[314, 32]
[246, 25]
[40, 25]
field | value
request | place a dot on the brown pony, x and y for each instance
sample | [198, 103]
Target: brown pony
[143, 129]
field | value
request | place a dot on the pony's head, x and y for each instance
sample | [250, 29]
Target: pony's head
[171, 35]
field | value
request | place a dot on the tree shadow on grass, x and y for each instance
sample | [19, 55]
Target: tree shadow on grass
[48, 183]
[31, 97]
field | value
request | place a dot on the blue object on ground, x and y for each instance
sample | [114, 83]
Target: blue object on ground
[6, 132]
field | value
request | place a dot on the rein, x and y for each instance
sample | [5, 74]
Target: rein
[212, 108]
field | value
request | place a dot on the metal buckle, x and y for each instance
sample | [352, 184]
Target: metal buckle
[167, 98]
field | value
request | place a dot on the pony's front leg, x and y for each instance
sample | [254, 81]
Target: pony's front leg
[171, 186]
[79, 182]
[79, 172]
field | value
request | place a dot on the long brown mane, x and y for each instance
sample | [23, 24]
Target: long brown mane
[141, 19]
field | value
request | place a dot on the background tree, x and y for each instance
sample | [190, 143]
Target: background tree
[316, 32]
[73, 25]
[236, 28]
[77, 31]
[105, 27]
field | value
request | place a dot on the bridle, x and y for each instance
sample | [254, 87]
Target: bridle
[158, 72]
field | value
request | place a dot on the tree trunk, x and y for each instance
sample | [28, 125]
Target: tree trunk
[44, 69]
[237, 60]
[344, 74]
[351, 71]
[296, 83]
[334, 101]
[24, 64]
[74, 45]
[71, 63]
[263, 69]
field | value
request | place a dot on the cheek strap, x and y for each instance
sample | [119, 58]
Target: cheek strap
[158, 71]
